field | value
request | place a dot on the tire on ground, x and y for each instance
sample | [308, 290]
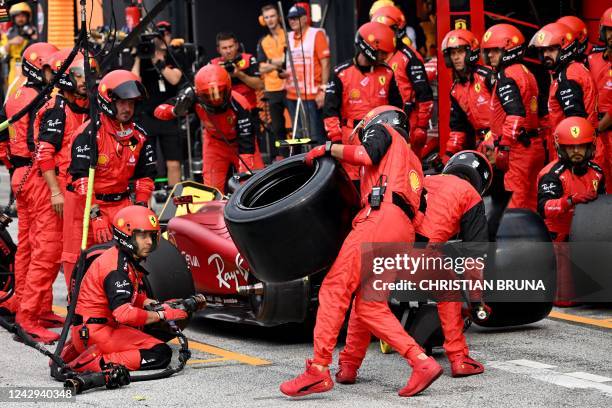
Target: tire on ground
[290, 220]
[516, 258]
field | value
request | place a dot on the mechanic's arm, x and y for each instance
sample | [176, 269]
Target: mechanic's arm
[605, 122]
[571, 99]
[552, 202]
[79, 164]
[144, 174]
[395, 97]
[423, 93]
[375, 144]
[459, 125]
[249, 76]
[136, 66]
[247, 139]
[118, 289]
[4, 141]
[171, 74]
[473, 224]
[332, 107]
[51, 135]
[265, 64]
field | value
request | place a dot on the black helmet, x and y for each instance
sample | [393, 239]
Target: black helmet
[472, 166]
[391, 115]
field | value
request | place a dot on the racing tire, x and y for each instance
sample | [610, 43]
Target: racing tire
[290, 220]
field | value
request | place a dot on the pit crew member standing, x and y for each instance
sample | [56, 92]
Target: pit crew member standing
[387, 161]
[110, 309]
[360, 85]
[470, 94]
[409, 69]
[123, 154]
[514, 110]
[454, 208]
[18, 151]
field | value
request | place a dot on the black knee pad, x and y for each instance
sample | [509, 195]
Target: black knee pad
[155, 358]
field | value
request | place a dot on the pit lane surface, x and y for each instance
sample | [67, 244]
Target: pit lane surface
[565, 360]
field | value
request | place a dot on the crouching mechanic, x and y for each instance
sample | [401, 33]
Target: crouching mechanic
[123, 154]
[110, 309]
[454, 208]
[571, 179]
[228, 122]
[387, 161]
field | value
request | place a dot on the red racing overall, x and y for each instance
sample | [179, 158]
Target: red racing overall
[352, 92]
[392, 157]
[514, 124]
[413, 83]
[110, 307]
[227, 135]
[118, 163]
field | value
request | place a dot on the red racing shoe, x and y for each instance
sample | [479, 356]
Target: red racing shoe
[347, 373]
[463, 365]
[39, 334]
[310, 381]
[50, 320]
[424, 373]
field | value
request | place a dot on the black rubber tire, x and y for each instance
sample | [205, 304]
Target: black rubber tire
[169, 278]
[7, 265]
[290, 220]
[512, 262]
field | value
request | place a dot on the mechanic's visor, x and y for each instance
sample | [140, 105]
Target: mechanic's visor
[140, 237]
[214, 95]
[129, 90]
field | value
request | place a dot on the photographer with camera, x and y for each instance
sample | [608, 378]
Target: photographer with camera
[17, 38]
[161, 78]
[242, 67]
[271, 57]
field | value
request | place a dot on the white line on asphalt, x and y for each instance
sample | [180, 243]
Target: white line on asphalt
[543, 372]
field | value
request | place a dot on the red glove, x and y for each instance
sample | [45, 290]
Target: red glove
[418, 138]
[317, 152]
[502, 159]
[164, 111]
[582, 198]
[173, 314]
[101, 229]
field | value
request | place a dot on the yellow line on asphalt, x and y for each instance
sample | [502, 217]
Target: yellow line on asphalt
[209, 360]
[206, 348]
[605, 323]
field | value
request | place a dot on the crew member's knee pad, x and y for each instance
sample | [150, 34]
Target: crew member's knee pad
[155, 358]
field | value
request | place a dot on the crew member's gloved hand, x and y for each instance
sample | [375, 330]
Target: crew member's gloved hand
[502, 159]
[418, 138]
[317, 152]
[581, 198]
[173, 314]
[566, 204]
[165, 111]
[101, 229]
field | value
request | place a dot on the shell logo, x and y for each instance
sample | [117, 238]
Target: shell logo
[103, 88]
[487, 36]
[33, 56]
[382, 80]
[477, 87]
[569, 36]
[515, 39]
[541, 37]
[120, 222]
[575, 131]
[102, 159]
[354, 94]
[371, 38]
[153, 221]
[415, 181]
[533, 105]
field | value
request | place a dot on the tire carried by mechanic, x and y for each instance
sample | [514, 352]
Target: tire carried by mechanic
[289, 220]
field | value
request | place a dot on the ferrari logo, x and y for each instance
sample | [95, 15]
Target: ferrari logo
[241, 63]
[541, 37]
[394, 66]
[452, 40]
[382, 80]
[33, 56]
[371, 38]
[477, 87]
[153, 221]
[120, 222]
[415, 181]
[515, 39]
[103, 88]
[595, 184]
[230, 120]
[575, 131]
[461, 24]
[569, 36]
[487, 36]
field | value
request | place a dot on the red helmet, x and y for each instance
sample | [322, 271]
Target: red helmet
[461, 38]
[213, 86]
[391, 16]
[34, 58]
[472, 166]
[374, 37]
[605, 22]
[555, 35]
[391, 115]
[118, 84]
[506, 37]
[129, 220]
[573, 131]
[67, 81]
[579, 30]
